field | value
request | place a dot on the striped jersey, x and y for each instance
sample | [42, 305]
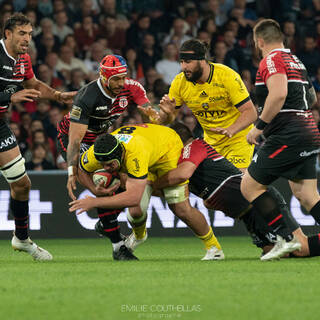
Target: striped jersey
[94, 107]
[13, 72]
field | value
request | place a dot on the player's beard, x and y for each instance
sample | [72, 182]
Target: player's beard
[196, 74]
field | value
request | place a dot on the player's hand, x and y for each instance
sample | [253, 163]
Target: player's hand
[72, 185]
[82, 204]
[151, 113]
[101, 191]
[167, 105]
[25, 95]
[223, 131]
[253, 135]
[67, 97]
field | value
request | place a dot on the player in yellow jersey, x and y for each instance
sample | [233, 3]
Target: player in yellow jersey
[144, 152]
[219, 100]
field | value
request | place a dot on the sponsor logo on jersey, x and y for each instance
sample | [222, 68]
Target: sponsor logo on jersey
[203, 94]
[102, 108]
[210, 114]
[75, 113]
[309, 153]
[237, 160]
[137, 165]
[123, 137]
[22, 69]
[85, 158]
[240, 84]
[123, 102]
[212, 99]
[186, 151]
[7, 67]
[8, 141]
[255, 158]
[270, 64]
[205, 106]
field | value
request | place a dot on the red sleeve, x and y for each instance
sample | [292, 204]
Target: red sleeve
[138, 93]
[28, 72]
[271, 65]
[194, 152]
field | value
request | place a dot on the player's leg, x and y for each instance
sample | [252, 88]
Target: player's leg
[178, 200]
[13, 170]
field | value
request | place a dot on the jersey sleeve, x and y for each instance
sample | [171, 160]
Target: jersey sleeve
[194, 152]
[238, 92]
[174, 91]
[28, 73]
[137, 161]
[271, 65]
[82, 107]
[138, 93]
[88, 162]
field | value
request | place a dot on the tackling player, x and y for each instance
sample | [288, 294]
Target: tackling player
[143, 152]
[219, 100]
[217, 182]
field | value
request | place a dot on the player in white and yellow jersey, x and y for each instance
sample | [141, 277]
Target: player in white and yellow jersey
[144, 152]
[219, 100]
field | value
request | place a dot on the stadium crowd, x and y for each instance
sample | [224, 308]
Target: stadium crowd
[71, 38]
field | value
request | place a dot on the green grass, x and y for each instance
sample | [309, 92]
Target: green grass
[169, 282]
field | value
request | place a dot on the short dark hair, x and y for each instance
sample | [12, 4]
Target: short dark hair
[17, 19]
[269, 30]
[182, 130]
[108, 147]
[198, 47]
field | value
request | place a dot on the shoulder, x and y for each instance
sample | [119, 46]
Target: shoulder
[223, 70]
[131, 84]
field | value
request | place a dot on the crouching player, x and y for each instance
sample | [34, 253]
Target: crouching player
[217, 182]
[136, 151]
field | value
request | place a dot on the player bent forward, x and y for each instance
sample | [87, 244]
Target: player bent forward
[140, 150]
[217, 182]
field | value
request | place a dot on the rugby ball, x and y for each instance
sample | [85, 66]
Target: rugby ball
[108, 178]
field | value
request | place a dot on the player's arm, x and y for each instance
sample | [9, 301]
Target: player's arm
[76, 133]
[131, 197]
[176, 176]
[277, 85]
[48, 92]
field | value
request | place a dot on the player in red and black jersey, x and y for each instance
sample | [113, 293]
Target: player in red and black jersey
[217, 181]
[96, 106]
[18, 84]
[284, 96]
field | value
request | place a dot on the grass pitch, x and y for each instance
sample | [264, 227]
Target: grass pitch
[169, 282]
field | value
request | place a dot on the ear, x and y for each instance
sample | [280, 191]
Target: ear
[7, 33]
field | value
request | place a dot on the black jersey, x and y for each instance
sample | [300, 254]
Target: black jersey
[294, 122]
[12, 73]
[92, 106]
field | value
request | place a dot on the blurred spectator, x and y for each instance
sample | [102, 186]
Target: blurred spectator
[45, 74]
[309, 55]
[67, 62]
[137, 31]
[77, 80]
[214, 9]
[208, 25]
[316, 82]
[42, 113]
[51, 61]
[135, 70]
[45, 7]
[150, 53]
[177, 33]
[169, 66]
[22, 143]
[38, 161]
[92, 62]
[160, 88]
[46, 25]
[25, 122]
[46, 45]
[86, 9]
[60, 5]
[71, 42]
[86, 34]
[60, 27]
[55, 116]
[192, 19]
[151, 75]
[32, 16]
[289, 31]
[115, 35]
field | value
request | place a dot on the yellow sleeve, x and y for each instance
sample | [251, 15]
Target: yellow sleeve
[174, 91]
[88, 162]
[237, 90]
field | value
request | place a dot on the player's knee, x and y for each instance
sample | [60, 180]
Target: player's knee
[21, 187]
[15, 172]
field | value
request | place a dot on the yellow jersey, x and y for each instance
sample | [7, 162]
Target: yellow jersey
[214, 103]
[149, 148]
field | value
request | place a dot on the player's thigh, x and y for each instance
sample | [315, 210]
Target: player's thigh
[9, 155]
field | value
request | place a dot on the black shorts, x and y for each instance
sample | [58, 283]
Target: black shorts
[273, 161]
[62, 144]
[8, 140]
[262, 235]
[228, 198]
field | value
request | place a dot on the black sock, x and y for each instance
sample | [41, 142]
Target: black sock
[20, 212]
[314, 245]
[315, 212]
[109, 219]
[267, 205]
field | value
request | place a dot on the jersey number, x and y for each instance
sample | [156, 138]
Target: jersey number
[127, 130]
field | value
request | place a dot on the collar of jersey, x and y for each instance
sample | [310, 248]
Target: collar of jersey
[210, 74]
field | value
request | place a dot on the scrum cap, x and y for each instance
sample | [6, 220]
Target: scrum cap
[112, 65]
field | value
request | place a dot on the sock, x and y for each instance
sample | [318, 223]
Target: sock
[268, 207]
[138, 225]
[315, 212]
[116, 246]
[110, 223]
[20, 212]
[314, 245]
[209, 240]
